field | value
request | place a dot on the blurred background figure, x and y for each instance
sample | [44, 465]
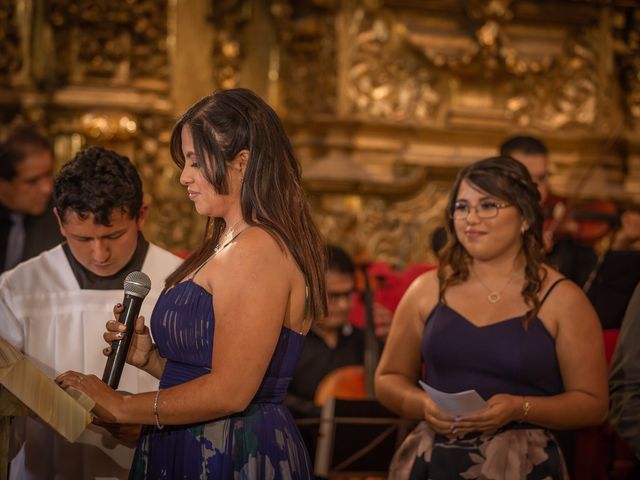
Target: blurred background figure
[27, 223]
[624, 385]
[333, 356]
[608, 273]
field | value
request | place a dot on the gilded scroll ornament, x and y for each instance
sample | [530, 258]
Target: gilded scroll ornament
[120, 42]
[11, 57]
[228, 18]
[398, 232]
[386, 79]
[309, 56]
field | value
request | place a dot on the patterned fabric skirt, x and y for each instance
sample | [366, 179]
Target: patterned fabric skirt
[261, 443]
[505, 454]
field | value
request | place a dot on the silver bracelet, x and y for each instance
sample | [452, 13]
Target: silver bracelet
[155, 411]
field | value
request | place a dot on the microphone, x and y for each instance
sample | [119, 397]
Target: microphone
[136, 287]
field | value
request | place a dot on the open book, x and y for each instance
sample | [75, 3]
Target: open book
[26, 388]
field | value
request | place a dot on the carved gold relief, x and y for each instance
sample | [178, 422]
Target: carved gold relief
[307, 35]
[385, 99]
[386, 80]
[118, 41]
[565, 94]
[407, 67]
[11, 57]
[398, 232]
[626, 38]
[228, 18]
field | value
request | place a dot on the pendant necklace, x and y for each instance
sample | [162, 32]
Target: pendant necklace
[495, 296]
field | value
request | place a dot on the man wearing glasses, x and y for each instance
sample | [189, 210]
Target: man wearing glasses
[333, 342]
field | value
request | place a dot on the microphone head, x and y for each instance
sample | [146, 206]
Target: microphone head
[137, 284]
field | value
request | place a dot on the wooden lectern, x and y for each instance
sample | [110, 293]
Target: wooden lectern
[27, 390]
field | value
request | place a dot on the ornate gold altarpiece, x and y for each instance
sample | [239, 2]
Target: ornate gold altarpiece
[384, 99]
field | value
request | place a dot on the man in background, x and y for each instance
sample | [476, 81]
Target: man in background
[27, 224]
[608, 278]
[54, 307]
[332, 343]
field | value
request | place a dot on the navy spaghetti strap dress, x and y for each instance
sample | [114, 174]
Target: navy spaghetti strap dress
[503, 357]
[262, 442]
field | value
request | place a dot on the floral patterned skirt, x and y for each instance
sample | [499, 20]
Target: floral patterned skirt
[505, 454]
[261, 443]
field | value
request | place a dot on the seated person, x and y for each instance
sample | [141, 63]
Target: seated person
[332, 342]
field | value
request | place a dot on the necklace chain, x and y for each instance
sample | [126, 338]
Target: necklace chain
[222, 246]
[495, 296]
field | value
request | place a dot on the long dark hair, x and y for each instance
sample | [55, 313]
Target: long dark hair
[508, 180]
[223, 124]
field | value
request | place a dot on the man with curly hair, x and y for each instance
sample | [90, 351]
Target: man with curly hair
[54, 307]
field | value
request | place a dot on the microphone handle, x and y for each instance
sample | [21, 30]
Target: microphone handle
[119, 348]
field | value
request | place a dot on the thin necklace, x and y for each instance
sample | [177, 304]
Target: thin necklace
[495, 296]
[218, 248]
[222, 246]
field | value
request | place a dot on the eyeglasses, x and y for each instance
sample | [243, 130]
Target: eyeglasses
[334, 297]
[485, 209]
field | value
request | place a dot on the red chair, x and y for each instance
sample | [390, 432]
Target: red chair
[600, 453]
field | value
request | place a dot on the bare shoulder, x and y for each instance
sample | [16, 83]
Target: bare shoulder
[426, 282]
[560, 290]
[423, 293]
[254, 253]
[565, 301]
[257, 243]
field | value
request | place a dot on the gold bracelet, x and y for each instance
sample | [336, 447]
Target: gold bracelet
[526, 406]
[155, 411]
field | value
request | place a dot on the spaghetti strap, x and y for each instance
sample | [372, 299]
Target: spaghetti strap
[218, 250]
[550, 289]
[307, 304]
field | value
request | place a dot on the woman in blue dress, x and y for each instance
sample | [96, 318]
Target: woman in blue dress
[231, 323]
[493, 319]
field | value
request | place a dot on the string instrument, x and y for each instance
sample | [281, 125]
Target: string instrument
[355, 382]
[585, 221]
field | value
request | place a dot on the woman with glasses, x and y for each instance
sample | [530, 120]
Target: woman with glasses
[495, 319]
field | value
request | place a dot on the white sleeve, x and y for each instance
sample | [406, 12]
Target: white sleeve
[11, 325]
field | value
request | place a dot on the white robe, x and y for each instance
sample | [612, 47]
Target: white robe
[45, 314]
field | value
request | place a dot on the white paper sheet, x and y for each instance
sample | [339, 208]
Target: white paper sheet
[460, 403]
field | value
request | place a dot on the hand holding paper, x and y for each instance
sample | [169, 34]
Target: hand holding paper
[457, 404]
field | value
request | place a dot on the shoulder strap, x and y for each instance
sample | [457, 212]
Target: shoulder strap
[550, 289]
[307, 303]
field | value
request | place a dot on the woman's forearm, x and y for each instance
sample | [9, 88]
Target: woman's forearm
[565, 411]
[400, 396]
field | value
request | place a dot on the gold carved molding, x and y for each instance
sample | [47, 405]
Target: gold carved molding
[413, 90]
[384, 99]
